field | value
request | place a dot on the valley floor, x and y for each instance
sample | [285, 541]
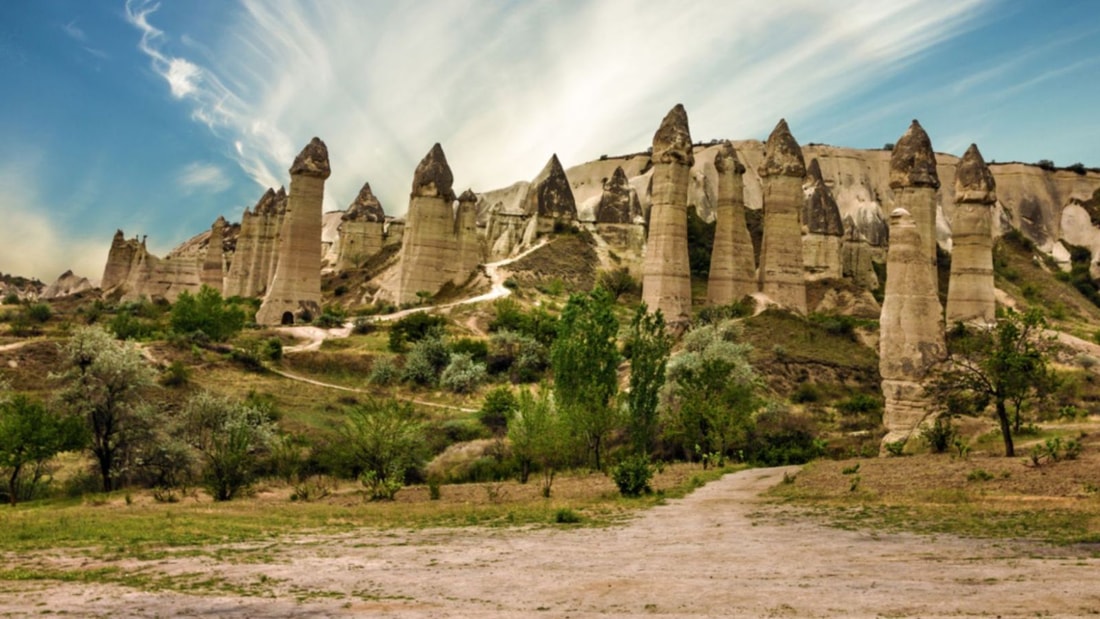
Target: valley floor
[719, 552]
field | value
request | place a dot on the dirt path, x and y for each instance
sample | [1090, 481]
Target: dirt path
[318, 383]
[707, 555]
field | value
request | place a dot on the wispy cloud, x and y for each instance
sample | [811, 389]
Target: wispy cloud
[504, 85]
[205, 177]
[74, 31]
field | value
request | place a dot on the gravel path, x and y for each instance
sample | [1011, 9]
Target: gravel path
[716, 553]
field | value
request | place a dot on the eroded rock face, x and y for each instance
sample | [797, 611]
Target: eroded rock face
[436, 246]
[732, 264]
[666, 278]
[120, 259]
[619, 202]
[781, 269]
[550, 197]
[213, 264]
[970, 293]
[914, 179]
[911, 333]
[295, 291]
[366, 207]
[858, 257]
[361, 231]
[67, 284]
[821, 245]
[253, 263]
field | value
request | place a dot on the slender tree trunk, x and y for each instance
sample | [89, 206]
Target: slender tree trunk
[13, 482]
[1006, 429]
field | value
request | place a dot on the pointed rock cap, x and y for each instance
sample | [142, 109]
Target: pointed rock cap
[119, 236]
[813, 171]
[552, 169]
[551, 194]
[820, 213]
[618, 178]
[366, 207]
[468, 196]
[725, 160]
[912, 162]
[433, 178]
[618, 203]
[973, 180]
[266, 203]
[782, 154]
[672, 142]
[312, 161]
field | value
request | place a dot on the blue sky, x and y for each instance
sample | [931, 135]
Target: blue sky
[158, 117]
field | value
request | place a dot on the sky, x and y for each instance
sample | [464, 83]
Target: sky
[157, 117]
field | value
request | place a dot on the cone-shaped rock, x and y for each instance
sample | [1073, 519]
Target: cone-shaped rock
[821, 245]
[666, 279]
[914, 179]
[295, 291]
[361, 230]
[911, 333]
[429, 247]
[732, 265]
[619, 202]
[781, 173]
[550, 197]
[366, 207]
[970, 295]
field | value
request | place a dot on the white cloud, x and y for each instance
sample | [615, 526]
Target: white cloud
[205, 177]
[74, 31]
[502, 86]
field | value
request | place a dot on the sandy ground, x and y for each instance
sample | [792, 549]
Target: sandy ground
[718, 553]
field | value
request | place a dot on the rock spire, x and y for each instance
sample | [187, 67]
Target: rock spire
[366, 207]
[914, 179]
[295, 291]
[213, 264]
[781, 268]
[970, 294]
[666, 274]
[732, 264]
[821, 245]
[619, 202]
[433, 178]
[550, 197]
[361, 231]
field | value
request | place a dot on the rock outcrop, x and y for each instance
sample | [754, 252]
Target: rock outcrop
[781, 271]
[824, 231]
[132, 272]
[970, 293]
[361, 231]
[911, 340]
[213, 263]
[666, 279]
[550, 198]
[914, 179]
[732, 263]
[619, 202]
[437, 245]
[257, 249]
[67, 284]
[295, 291]
[121, 259]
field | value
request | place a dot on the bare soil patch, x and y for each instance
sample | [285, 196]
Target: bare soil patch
[721, 551]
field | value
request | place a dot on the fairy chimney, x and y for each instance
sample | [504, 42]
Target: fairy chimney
[914, 180]
[970, 295]
[781, 174]
[361, 230]
[429, 246]
[732, 264]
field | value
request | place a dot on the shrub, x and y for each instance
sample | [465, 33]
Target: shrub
[413, 328]
[499, 406]
[175, 375]
[519, 356]
[39, 312]
[462, 374]
[425, 361]
[939, 436]
[332, 317]
[382, 440]
[632, 475]
[780, 437]
[618, 282]
[383, 371]
[208, 313]
[478, 350]
[363, 326]
[231, 436]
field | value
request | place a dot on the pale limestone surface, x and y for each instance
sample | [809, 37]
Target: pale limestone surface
[295, 291]
[361, 233]
[911, 332]
[666, 275]
[253, 263]
[914, 179]
[732, 264]
[781, 271]
[970, 293]
[66, 284]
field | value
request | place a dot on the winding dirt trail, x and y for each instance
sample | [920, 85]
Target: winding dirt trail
[717, 553]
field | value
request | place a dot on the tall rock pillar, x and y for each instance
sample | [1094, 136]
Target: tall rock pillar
[970, 296]
[213, 264]
[781, 270]
[914, 180]
[666, 273]
[467, 241]
[732, 264]
[295, 291]
[428, 248]
[911, 333]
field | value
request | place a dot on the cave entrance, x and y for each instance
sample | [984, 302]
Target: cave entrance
[288, 318]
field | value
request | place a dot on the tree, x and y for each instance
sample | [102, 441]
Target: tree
[102, 384]
[498, 408]
[382, 440]
[207, 312]
[31, 434]
[1005, 365]
[585, 360]
[231, 437]
[649, 344]
[538, 437]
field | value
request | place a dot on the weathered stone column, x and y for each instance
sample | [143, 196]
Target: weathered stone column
[914, 179]
[666, 272]
[360, 230]
[824, 229]
[428, 248]
[970, 295]
[732, 264]
[213, 263]
[618, 202]
[295, 291]
[467, 240]
[781, 270]
[911, 333]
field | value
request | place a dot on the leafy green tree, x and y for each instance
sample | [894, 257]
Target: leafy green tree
[498, 408]
[102, 383]
[207, 312]
[538, 436]
[413, 328]
[382, 440]
[231, 438]
[585, 360]
[31, 434]
[1006, 366]
[650, 345]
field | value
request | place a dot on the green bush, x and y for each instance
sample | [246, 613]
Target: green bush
[477, 349]
[413, 328]
[780, 437]
[939, 436]
[39, 312]
[462, 374]
[499, 406]
[632, 475]
[425, 361]
[206, 312]
[383, 371]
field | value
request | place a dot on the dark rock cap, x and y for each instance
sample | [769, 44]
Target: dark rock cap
[813, 171]
[366, 207]
[619, 203]
[552, 192]
[312, 161]
[973, 180]
[820, 213]
[912, 162]
[725, 160]
[266, 203]
[782, 154]
[672, 142]
[468, 196]
[433, 178]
